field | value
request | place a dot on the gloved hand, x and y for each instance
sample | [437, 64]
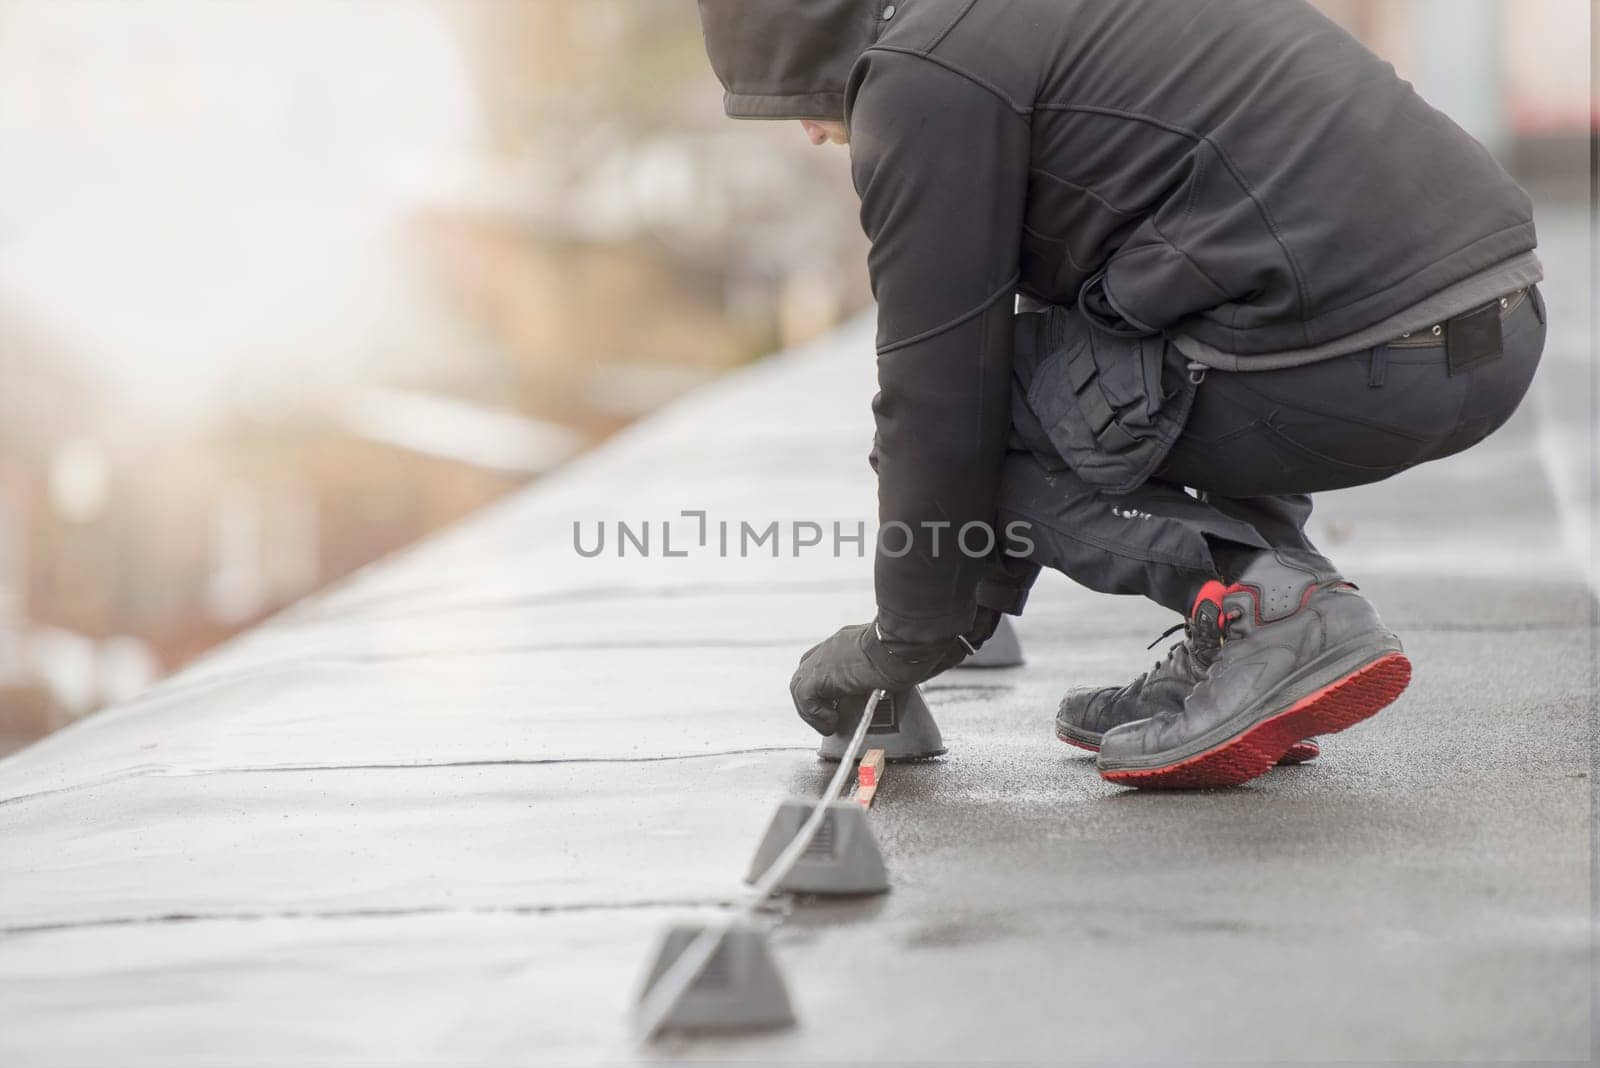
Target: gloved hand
[856, 661]
[984, 625]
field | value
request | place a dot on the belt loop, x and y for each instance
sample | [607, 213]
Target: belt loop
[1378, 367]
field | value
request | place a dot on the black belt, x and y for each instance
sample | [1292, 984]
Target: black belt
[1471, 338]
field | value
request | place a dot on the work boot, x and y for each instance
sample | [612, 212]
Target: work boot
[1303, 654]
[1086, 714]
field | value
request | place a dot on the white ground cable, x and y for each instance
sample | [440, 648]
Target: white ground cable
[677, 979]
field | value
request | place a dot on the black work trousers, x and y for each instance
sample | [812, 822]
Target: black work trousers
[1256, 446]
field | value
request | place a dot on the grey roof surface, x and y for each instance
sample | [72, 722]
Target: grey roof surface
[443, 813]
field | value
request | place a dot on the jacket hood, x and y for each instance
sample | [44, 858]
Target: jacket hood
[787, 59]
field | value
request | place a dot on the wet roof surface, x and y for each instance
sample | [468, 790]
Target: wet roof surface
[443, 813]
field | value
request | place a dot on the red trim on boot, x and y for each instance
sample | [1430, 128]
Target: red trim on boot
[1213, 591]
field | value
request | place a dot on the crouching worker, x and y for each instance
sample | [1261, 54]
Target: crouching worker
[1149, 273]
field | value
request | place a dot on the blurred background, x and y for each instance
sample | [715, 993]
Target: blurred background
[286, 285]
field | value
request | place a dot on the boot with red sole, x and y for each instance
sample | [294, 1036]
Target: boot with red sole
[1086, 714]
[1302, 654]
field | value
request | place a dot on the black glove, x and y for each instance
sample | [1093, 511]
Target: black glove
[856, 661]
[984, 624]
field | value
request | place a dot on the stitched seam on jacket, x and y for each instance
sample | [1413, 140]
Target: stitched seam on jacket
[942, 34]
[1009, 287]
[1272, 224]
[1227, 161]
[1104, 203]
[940, 61]
[1199, 270]
[1066, 250]
[1194, 186]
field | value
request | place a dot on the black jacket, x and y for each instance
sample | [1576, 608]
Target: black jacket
[1243, 171]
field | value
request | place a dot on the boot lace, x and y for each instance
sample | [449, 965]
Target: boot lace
[1177, 658]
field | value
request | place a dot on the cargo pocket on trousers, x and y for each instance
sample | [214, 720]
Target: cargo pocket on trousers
[1094, 400]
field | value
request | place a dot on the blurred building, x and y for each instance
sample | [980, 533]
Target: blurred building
[286, 287]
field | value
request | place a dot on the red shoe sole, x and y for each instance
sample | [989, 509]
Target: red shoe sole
[1336, 707]
[1299, 753]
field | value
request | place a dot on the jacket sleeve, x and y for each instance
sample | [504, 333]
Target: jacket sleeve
[941, 164]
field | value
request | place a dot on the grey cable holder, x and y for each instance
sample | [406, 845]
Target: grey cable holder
[1002, 650]
[843, 857]
[737, 989]
[901, 726]
[671, 998]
